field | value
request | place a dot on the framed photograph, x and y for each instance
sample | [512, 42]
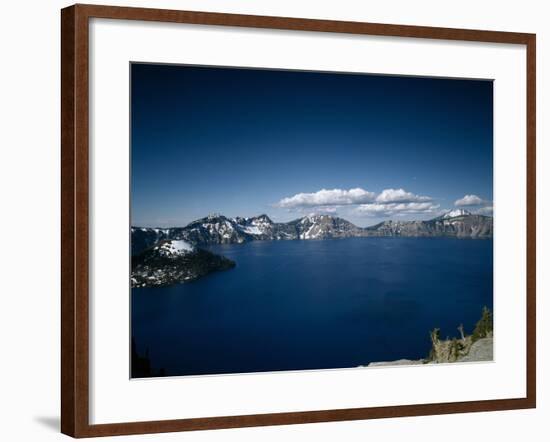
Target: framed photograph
[273, 220]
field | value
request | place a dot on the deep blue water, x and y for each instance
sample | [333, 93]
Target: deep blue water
[291, 305]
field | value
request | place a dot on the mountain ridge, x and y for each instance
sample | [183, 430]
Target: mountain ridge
[218, 229]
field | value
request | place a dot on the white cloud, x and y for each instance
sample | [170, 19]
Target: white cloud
[389, 202]
[327, 209]
[469, 200]
[478, 205]
[324, 197]
[487, 210]
[399, 196]
[323, 210]
[396, 209]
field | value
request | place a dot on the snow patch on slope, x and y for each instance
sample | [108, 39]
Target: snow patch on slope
[252, 230]
[456, 212]
[174, 248]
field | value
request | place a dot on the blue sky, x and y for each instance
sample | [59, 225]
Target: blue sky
[242, 142]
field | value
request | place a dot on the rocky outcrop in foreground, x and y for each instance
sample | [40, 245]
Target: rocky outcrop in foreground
[476, 347]
[480, 351]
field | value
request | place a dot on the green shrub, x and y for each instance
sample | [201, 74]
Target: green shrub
[484, 326]
[454, 350]
[434, 338]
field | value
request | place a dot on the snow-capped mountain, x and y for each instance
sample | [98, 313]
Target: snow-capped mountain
[455, 212]
[461, 226]
[260, 227]
[162, 257]
[324, 227]
[145, 237]
[213, 229]
[218, 229]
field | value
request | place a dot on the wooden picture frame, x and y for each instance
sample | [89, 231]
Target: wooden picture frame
[75, 220]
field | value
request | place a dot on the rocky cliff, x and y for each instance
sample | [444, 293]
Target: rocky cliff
[218, 229]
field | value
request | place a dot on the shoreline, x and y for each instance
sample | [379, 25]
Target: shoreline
[480, 351]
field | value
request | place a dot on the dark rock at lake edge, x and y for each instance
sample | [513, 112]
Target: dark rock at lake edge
[174, 262]
[141, 365]
[218, 229]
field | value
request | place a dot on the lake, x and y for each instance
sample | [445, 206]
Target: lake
[294, 305]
